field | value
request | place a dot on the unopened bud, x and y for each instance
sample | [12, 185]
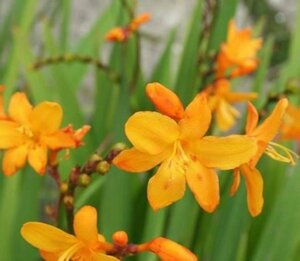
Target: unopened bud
[68, 201]
[64, 187]
[103, 167]
[84, 180]
[169, 250]
[119, 146]
[120, 238]
[95, 158]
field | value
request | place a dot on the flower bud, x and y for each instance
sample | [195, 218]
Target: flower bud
[120, 238]
[84, 180]
[168, 250]
[68, 201]
[95, 158]
[64, 187]
[103, 167]
[165, 101]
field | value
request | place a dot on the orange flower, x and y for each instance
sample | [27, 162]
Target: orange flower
[291, 124]
[238, 55]
[184, 154]
[86, 245]
[263, 134]
[220, 98]
[121, 34]
[30, 132]
[55, 244]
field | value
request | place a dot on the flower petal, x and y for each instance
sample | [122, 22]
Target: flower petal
[151, 132]
[167, 185]
[268, 129]
[85, 224]
[14, 159]
[233, 97]
[254, 185]
[252, 118]
[59, 140]
[37, 158]
[48, 256]
[196, 119]
[9, 135]
[226, 115]
[165, 101]
[236, 181]
[133, 160]
[47, 238]
[103, 257]
[223, 153]
[19, 108]
[204, 184]
[46, 117]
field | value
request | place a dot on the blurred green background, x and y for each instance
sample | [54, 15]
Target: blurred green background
[169, 46]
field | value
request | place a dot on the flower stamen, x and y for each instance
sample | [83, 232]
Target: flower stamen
[281, 153]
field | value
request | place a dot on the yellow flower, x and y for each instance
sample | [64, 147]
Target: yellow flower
[184, 154]
[238, 55]
[121, 34]
[55, 244]
[220, 98]
[290, 128]
[30, 132]
[263, 134]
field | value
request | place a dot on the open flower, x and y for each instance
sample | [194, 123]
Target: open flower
[220, 98]
[88, 245]
[263, 134]
[238, 55]
[184, 154]
[121, 34]
[290, 129]
[29, 133]
[55, 244]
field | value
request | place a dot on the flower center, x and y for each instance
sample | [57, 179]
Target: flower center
[180, 157]
[70, 252]
[281, 153]
[25, 130]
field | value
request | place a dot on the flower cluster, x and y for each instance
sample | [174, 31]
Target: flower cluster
[87, 244]
[178, 140]
[175, 139]
[237, 57]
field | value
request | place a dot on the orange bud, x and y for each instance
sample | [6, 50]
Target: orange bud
[168, 250]
[165, 101]
[120, 238]
[117, 34]
[138, 21]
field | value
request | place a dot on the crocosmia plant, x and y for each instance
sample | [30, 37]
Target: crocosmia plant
[147, 137]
